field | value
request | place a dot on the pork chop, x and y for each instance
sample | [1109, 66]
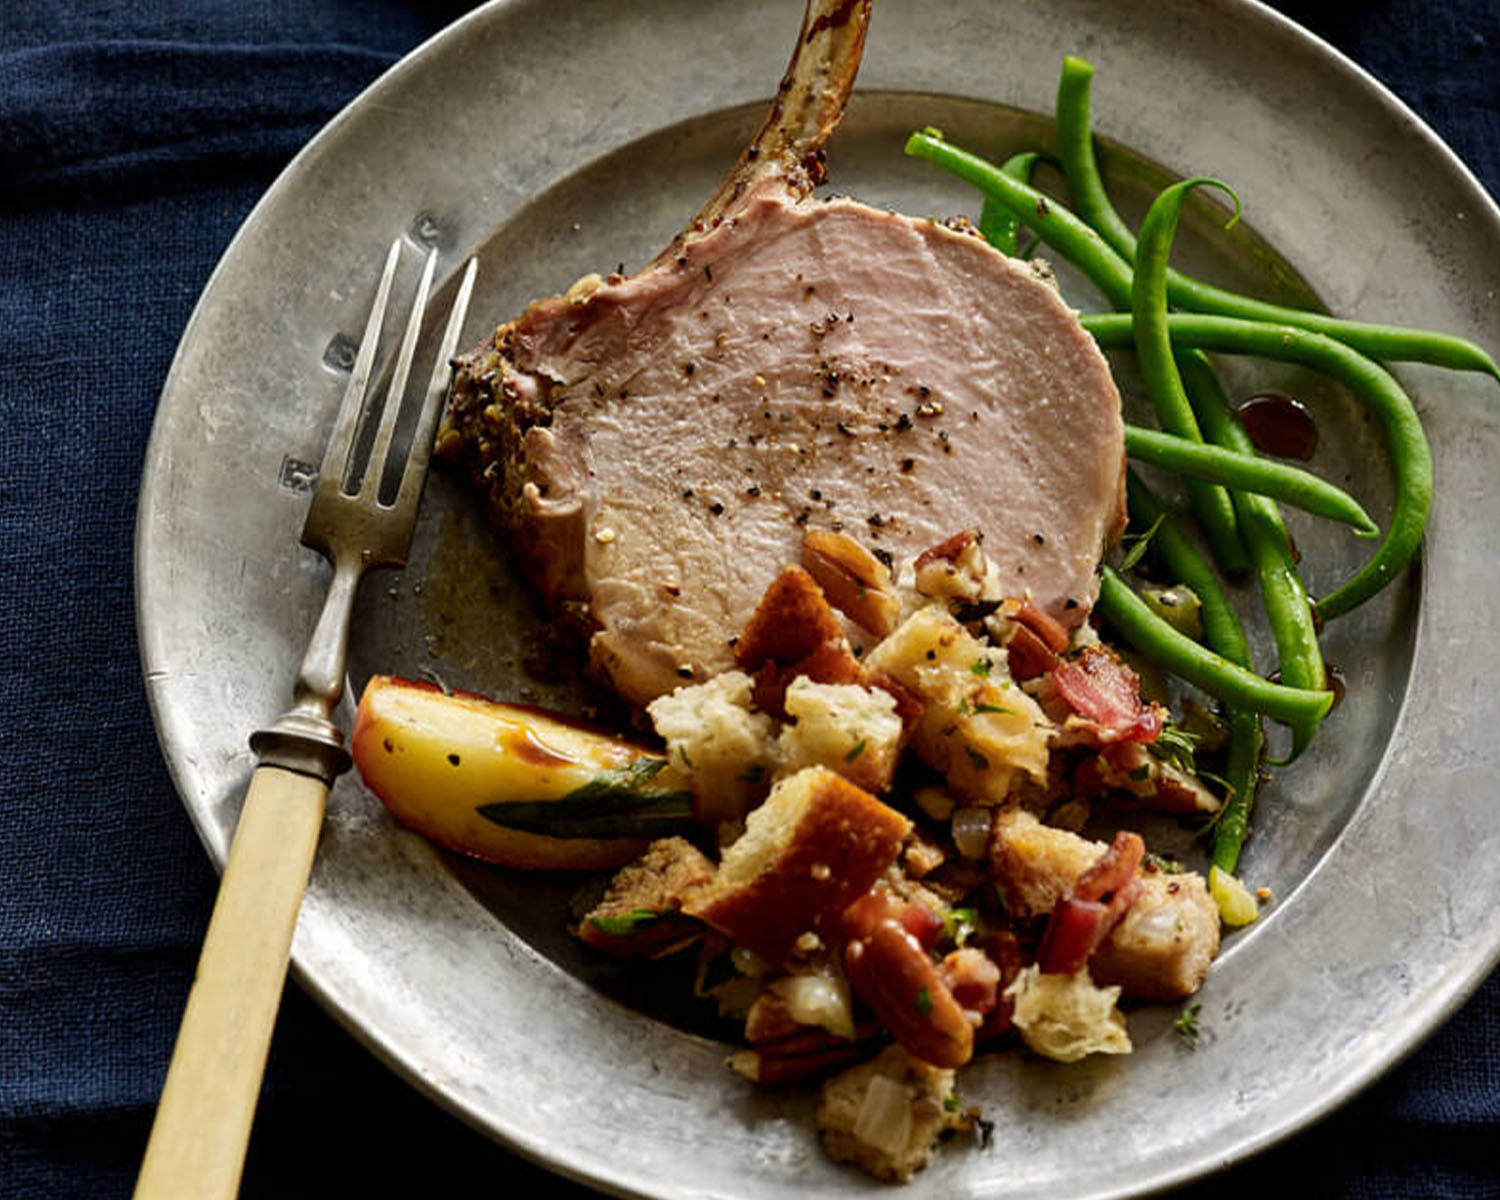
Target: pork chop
[657, 445]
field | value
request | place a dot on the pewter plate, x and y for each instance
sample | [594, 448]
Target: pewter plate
[559, 138]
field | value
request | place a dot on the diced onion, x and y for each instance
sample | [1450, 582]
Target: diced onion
[935, 802]
[884, 1120]
[818, 1000]
[971, 831]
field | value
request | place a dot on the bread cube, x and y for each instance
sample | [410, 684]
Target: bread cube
[815, 846]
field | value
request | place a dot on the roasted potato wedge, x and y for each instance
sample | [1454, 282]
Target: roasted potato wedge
[498, 781]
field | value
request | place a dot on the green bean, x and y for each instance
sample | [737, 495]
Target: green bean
[1164, 383]
[1111, 274]
[1242, 774]
[1200, 666]
[1224, 634]
[1288, 610]
[1410, 456]
[1236, 469]
[1153, 344]
[1211, 503]
[998, 224]
[1075, 147]
[1385, 342]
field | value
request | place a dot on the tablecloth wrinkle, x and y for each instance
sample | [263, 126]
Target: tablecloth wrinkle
[135, 137]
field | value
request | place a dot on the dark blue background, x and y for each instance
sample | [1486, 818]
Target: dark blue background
[134, 138]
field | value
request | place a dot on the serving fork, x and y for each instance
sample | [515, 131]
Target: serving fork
[202, 1125]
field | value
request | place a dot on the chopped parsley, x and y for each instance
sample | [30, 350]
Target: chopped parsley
[1187, 1025]
[923, 1002]
[994, 708]
[960, 924]
[625, 924]
[977, 759]
[857, 751]
[1177, 746]
[1139, 543]
[982, 667]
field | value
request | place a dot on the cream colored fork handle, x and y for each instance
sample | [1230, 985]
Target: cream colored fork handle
[197, 1146]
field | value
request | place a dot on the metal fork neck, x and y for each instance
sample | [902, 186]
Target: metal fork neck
[304, 738]
[320, 681]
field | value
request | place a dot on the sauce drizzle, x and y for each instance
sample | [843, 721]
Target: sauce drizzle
[1279, 425]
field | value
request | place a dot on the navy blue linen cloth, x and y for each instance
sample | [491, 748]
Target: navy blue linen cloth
[135, 135]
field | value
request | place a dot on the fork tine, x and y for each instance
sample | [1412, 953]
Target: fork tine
[394, 395]
[437, 389]
[336, 456]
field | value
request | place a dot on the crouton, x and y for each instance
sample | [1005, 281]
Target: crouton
[848, 728]
[1036, 865]
[1163, 947]
[640, 914]
[982, 731]
[791, 621]
[815, 845]
[715, 738]
[885, 1115]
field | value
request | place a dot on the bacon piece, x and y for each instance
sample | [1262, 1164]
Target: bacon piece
[1099, 687]
[1101, 897]
[1074, 930]
[1113, 869]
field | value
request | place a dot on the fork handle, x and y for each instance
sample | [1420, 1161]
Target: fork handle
[202, 1126]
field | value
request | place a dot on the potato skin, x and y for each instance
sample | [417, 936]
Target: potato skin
[434, 758]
